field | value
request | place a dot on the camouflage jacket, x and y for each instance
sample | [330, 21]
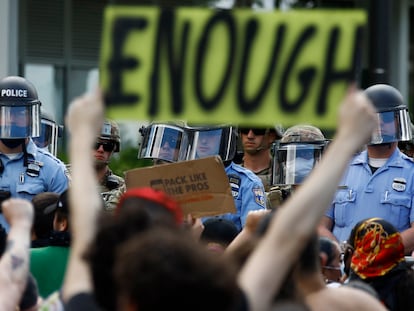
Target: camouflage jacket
[111, 188]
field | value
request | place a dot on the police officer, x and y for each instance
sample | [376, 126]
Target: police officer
[247, 188]
[407, 147]
[380, 180]
[111, 185]
[50, 132]
[191, 143]
[294, 156]
[163, 142]
[25, 170]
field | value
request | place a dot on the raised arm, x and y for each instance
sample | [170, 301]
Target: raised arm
[266, 268]
[14, 263]
[84, 119]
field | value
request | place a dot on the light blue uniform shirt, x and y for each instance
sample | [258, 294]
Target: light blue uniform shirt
[15, 178]
[248, 193]
[388, 194]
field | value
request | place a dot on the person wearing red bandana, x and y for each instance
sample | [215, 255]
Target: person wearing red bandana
[378, 259]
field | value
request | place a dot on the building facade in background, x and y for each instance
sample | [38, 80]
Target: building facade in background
[56, 44]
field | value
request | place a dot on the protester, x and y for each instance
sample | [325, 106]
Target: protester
[378, 259]
[331, 261]
[83, 116]
[191, 275]
[53, 257]
[13, 277]
[218, 233]
[320, 296]
[26, 170]
[139, 209]
[261, 276]
[84, 120]
[379, 181]
[43, 219]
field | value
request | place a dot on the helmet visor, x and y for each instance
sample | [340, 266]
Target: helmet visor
[163, 142]
[392, 126]
[48, 136]
[19, 121]
[213, 141]
[292, 162]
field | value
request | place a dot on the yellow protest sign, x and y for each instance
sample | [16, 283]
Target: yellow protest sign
[217, 66]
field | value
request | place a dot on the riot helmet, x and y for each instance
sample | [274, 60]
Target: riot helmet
[295, 155]
[407, 147]
[393, 118]
[110, 135]
[213, 140]
[50, 131]
[19, 110]
[164, 141]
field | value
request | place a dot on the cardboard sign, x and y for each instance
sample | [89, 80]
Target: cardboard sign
[235, 66]
[200, 186]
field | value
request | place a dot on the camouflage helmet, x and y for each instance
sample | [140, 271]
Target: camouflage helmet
[110, 131]
[302, 133]
[278, 129]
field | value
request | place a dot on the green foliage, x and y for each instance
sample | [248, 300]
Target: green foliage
[120, 162]
[127, 160]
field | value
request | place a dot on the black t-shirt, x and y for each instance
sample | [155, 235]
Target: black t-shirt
[86, 302]
[82, 301]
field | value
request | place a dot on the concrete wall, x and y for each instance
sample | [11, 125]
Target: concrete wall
[8, 37]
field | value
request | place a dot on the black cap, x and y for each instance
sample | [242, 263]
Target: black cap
[219, 230]
[62, 204]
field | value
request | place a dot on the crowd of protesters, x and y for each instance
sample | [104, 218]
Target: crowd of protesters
[78, 239]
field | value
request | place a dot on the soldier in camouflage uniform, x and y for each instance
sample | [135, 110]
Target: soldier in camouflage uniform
[111, 185]
[294, 156]
[256, 143]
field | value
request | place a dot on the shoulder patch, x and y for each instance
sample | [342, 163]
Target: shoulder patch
[235, 182]
[259, 196]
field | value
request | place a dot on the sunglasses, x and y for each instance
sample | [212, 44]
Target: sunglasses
[107, 146]
[256, 131]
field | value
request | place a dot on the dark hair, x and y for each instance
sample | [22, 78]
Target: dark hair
[3, 239]
[163, 269]
[361, 285]
[309, 261]
[134, 217]
[327, 246]
[404, 291]
[219, 230]
[43, 222]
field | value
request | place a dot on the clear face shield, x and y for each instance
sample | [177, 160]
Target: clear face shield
[20, 121]
[292, 162]
[164, 142]
[392, 126]
[213, 141]
[48, 139]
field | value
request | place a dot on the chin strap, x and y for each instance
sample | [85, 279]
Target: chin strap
[264, 138]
